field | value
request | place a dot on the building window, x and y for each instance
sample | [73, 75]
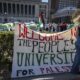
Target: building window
[9, 8]
[25, 9]
[5, 7]
[29, 9]
[13, 6]
[0, 7]
[33, 10]
[18, 9]
[22, 9]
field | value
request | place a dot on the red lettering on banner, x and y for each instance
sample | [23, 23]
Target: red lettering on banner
[48, 70]
[47, 38]
[56, 69]
[42, 70]
[59, 37]
[41, 38]
[33, 36]
[51, 38]
[21, 34]
[51, 69]
[25, 33]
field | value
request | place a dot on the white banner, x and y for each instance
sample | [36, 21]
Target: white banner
[38, 53]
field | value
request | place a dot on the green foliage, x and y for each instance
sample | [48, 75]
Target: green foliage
[6, 48]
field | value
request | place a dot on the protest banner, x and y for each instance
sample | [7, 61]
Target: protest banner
[38, 53]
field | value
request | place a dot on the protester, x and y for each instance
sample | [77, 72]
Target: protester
[64, 26]
[54, 27]
[50, 27]
[76, 63]
[58, 27]
[61, 27]
[47, 27]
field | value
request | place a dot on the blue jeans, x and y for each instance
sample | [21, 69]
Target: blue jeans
[76, 63]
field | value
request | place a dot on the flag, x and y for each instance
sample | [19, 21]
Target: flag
[41, 21]
[40, 24]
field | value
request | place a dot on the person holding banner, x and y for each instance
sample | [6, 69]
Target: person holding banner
[76, 64]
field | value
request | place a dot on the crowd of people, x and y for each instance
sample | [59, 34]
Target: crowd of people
[53, 27]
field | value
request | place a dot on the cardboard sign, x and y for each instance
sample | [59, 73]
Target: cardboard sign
[38, 53]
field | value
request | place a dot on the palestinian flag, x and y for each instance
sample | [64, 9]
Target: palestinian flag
[41, 21]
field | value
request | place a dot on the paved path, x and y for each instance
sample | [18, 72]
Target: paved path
[63, 76]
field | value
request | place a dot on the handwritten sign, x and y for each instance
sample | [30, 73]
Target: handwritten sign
[38, 53]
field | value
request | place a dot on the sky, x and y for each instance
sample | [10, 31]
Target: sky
[44, 0]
